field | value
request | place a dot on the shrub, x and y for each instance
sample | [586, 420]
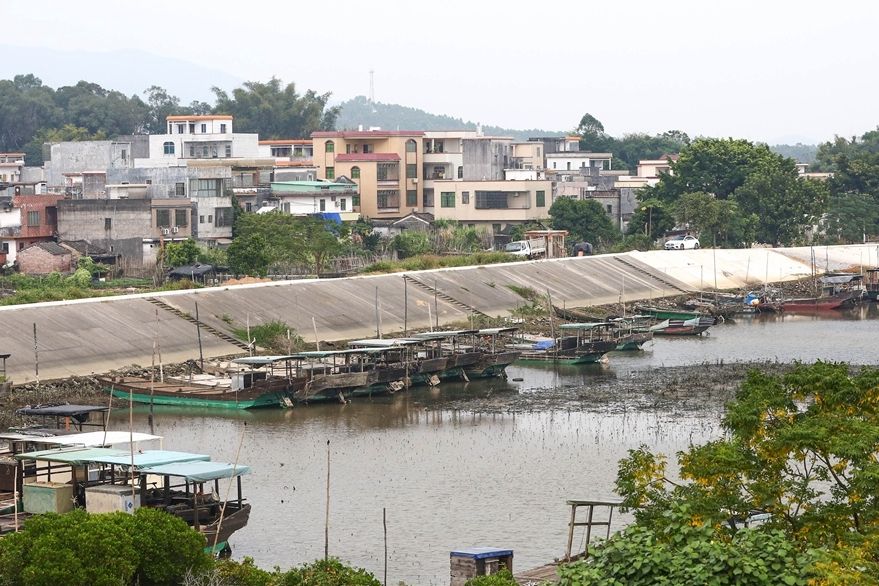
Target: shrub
[272, 335]
[502, 578]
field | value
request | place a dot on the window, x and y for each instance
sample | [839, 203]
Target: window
[367, 148]
[322, 205]
[223, 217]
[4, 248]
[553, 164]
[181, 128]
[201, 219]
[609, 208]
[206, 187]
[447, 199]
[108, 223]
[249, 207]
[181, 218]
[228, 150]
[124, 155]
[355, 201]
[33, 219]
[355, 172]
[465, 197]
[168, 148]
[180, 189]
[204, 128]
[569, 166]
[222, 129]
[411, 146]
[205, 151]
[330, 146]
[491, 200]
[460, 172]
[411, 197]
[541, 199]
[210, 218]
[387, 172]
[411, 171]
[388, 199]
[163, 218]
[192, 151]
[428, 198]
[192, 128]
[343, 204]
[331, 172]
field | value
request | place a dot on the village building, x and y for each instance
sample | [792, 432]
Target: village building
[44, 258]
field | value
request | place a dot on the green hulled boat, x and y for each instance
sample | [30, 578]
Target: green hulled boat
[662, 313]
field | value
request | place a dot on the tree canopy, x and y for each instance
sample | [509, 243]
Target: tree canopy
[768, 201]
[630, 148]
[800, 450]
[584, 219]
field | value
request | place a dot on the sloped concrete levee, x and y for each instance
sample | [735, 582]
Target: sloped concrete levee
[96, 335]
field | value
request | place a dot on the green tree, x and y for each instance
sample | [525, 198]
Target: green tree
[26, 106]
[585, 221]
[178, 254]
[320, 242]
[717, 221]
[652, 217]
[160, 105]
[149, 547]
[411, 243]
[850, 218]
[276, 111]
[250, 255]
[800, 448]
[782, 204]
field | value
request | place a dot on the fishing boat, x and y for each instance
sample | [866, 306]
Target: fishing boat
[259, 381]
[838, 291]
[631, 333]
[495, 356]
[662, 313]
[332, 374]
[104, 480]
[579, 343]
[871, 284]
[450, 346]
[682, 327]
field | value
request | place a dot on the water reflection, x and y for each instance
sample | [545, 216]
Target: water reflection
[455, 478]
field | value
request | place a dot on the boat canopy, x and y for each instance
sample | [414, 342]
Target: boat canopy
[840, 279]
[424, 336]
[585, 326]
[82, 456]
[331, 353]
[199, 471]
[75, 411]
[495, 331]
[260, 360]
[88, 439]
[386, 343]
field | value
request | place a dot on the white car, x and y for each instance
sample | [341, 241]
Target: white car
[682, 243]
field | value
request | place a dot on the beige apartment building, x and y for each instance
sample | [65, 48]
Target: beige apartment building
[492, 204]
[387, 167]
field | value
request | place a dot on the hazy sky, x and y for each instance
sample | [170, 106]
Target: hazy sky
[766, 70]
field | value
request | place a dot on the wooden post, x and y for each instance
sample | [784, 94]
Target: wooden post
[385, 527]
[198, 330]
[435, 304]
[316, 340]
[377, 330]
[327, 519]
[405, 306]
[571, 533]
[36, 356]
[589, 528]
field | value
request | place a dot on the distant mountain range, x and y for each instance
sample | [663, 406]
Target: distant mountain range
[360, 111]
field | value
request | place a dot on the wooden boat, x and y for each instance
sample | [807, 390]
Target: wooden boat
[495, 357]
[682, 327]
[263, 381]
[448, 346]
[631, 333]
[810, 304]
[585, 343]
[871, 284]
[662, 313]
[678, 327]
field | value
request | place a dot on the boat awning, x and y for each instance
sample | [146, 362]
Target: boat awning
[81, 456]
[495, 331]
[89, 439]
[260, 360]
[840, 279]
[585, 326]
[331, 353]
[61, 410]
[441, 335]
[199, 471]
[388, 343]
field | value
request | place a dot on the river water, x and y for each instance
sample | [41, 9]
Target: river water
[471, 476]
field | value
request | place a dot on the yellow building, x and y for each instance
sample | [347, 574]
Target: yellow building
[386, 165]
[492, 204]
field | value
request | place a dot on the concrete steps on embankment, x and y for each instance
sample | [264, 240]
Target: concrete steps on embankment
[95, 335]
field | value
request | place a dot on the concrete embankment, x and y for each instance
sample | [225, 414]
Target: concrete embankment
[96, 335]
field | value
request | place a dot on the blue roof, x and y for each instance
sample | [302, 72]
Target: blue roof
[142, 459]
[481, 553]
[199, 471]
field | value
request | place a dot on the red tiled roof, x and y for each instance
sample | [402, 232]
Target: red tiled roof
[286, 141]
[367, 157]
[365, 133]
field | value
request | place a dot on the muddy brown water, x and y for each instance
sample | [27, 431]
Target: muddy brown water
[489, 463]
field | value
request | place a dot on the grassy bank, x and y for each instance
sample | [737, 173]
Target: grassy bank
[23, 289]
[424, 262]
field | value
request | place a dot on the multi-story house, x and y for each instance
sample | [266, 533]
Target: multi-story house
[492, 204]
[25, 220]
[331, 199]
[134, 229]
[387, 167]
[577, 162]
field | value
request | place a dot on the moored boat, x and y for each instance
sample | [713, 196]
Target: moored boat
[495, 357]
[682, 327]
[662, 313]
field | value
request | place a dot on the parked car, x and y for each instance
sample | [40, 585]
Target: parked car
[682, 243]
